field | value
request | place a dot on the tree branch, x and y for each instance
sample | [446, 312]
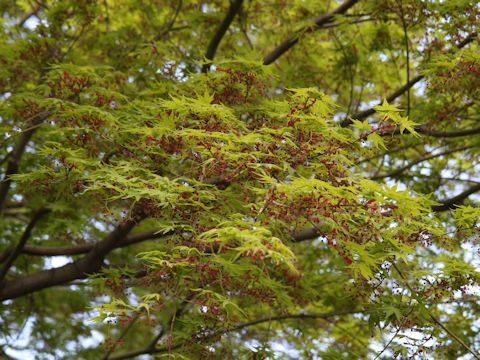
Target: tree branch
[455, 337]
[235, 7]
[456, 200]
[407, 52]
[434, 319]
[447, 134]
[446, 178]
[169, 25]
[23, 240]
[14, 159]
[307, 234]
[93, 260]
[301, 316]
[122, 335]
[35, 9]
[90, 263]
[319, 22]
[399, 171]
[83, 249]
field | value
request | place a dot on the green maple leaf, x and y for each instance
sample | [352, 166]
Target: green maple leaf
[385, 107]
[362, 125]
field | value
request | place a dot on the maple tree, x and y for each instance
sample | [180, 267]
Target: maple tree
[243, 179]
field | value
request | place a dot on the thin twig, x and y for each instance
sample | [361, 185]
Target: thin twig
[318, 23]
[399, 171]
[121, 336]
[434, 319]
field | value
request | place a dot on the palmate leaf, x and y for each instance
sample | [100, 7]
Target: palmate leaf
[229, 306]
[404, 123]
[362, 125]
[468, 216]
[377, 140]
[387, 108]
[364, 262]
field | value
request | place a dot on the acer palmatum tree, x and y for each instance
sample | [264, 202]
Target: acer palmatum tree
[239, 179]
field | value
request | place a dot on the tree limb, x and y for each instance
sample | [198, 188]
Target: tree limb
[455, 337]
[301, 316]
[23, 240]
[93, 260]
[169, 25]
[446, 178]
[83, 249]
[35, 9]
[399, 171]
[447, 134]
[79, 269]
[434, 319]
[14, 159]
[319, 22]
[456, 200]
[122, 335]
[235, 7]
[407, 52]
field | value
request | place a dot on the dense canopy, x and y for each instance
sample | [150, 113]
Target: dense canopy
[239, 179]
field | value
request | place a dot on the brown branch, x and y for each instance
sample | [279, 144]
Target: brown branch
[149, 349]
[455, 337]
[307, 234]
[440, 178]
[456, 200]
[35, 9]
[447, 134]
[122, 335]
[169, 25]
[301, 316]
[92, 262]
[399, 171]
[14, 159]
[400, 148]
[407, 52]
[14, 204]
[319, 22]
[467, 40]
[21, 244]
[235, 7]
[79, 269]
[83, 249]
